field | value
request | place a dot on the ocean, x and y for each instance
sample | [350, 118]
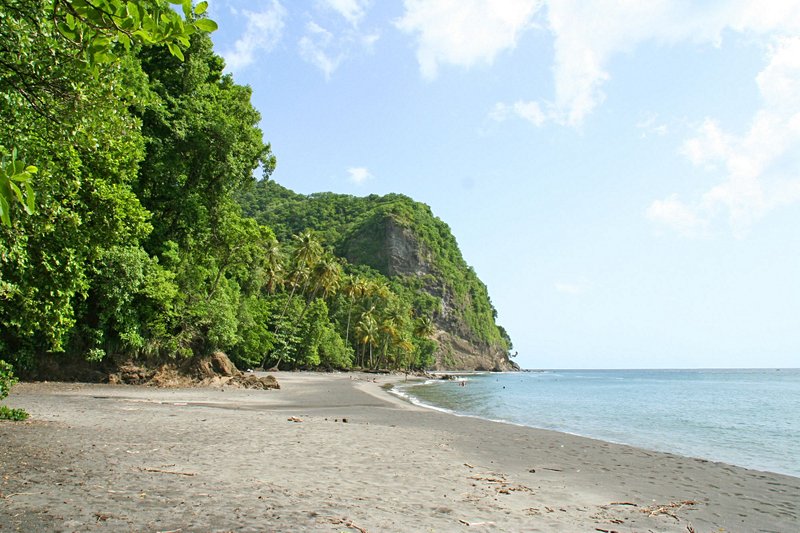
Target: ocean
[749, 418]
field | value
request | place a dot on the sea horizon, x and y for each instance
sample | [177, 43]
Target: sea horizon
[739, 416]
[640, 368]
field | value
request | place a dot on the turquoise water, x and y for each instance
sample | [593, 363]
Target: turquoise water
[749, 418]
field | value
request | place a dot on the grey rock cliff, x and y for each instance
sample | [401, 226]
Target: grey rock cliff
[399, 252]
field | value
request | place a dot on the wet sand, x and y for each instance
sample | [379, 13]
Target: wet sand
[127, 458]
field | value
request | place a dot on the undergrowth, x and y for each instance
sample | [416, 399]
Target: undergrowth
[7, 380]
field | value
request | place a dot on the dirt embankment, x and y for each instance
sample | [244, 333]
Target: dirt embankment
[214, 370]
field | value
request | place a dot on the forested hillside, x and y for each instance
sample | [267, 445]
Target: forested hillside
[396, 237]
[126, 154]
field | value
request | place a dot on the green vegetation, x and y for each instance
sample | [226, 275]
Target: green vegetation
[139, 154]
[47, 46]
[359, 229]
[7, 380]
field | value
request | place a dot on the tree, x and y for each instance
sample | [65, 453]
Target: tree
[273, 266]
[390, 333]
[367, 334]
[307, 251]
[47, 46]
[424, 327]
[15, 183]
[324, 278]
[7, 380]
[354, 287]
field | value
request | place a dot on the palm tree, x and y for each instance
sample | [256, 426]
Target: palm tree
[299, 276]
[307, 251]
[354, 287]
[326, 275]
[390, 333]
[424, 327]
[306, 256]
[367, 333]
[403, 355]
[273, 269]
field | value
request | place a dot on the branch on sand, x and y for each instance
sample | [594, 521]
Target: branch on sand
[347, 523]
[159, 471]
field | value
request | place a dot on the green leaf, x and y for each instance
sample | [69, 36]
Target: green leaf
[133, 12]
[175, 50]
[17, 191]
[4, 211]
[31, 198]
[206, 25]
[200, 8]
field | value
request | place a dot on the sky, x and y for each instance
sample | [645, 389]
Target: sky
[623, 175]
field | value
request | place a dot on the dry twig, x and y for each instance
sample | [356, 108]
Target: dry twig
[470, 524]
[159, 471]
[669, 509]
[347, 523]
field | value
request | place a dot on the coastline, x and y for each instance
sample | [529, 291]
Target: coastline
[657, 410]
[142, 459]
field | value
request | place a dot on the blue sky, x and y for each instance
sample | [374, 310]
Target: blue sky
[624, 176]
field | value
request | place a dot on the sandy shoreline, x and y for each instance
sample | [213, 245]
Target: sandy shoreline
[126, 458]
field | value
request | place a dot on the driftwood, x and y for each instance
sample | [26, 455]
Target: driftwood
[470, 524]
[669, 509]
[347, 523]
[498, 482]
[159, 471]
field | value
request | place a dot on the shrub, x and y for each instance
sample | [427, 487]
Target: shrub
[7, 380]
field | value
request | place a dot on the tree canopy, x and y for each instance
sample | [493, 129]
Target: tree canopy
[131, 154]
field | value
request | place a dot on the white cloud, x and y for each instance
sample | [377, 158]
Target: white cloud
[359, 175]
[650, 125]
[760, 168]
[317, 46]
[530, 111]
[328, 46]
[264, 30]
[352, 10]
[464, 32]
[588, 34]
[574, 288]
[368, 40]
[675, 214]
[711, 145]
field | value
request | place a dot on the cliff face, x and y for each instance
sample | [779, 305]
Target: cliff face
[395, 249]
[385, 245]
[405, 242]
[456, 353]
